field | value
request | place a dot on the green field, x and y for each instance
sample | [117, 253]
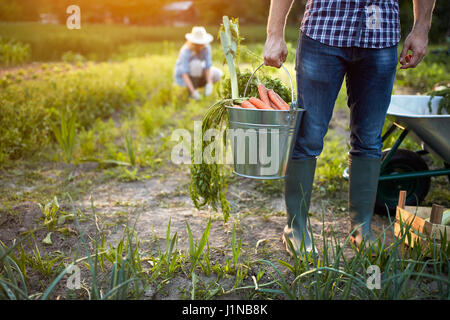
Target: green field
[98, 42]
[93, 110]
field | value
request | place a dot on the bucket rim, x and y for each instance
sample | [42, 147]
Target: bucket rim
[259, 177]
[298, 109]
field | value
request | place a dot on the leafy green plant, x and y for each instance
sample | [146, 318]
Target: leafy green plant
[126, 277]
[236, 248]
[50, 212]
[208, 180]
[13, 277]
[444, 104]
[13, 52]
[203, 291]
[73, 57]
[196, 249]
[44, 264]
[169, 261]
[270, 187]
[130, 149]
[29, 116]
[331, 275]
[65, 135]
[424, 76]
[252, 90]
[127, 175]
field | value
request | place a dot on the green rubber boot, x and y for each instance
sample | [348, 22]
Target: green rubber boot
[363, 183]
[298, 185]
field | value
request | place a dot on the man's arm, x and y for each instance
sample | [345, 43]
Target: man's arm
[275, 49]
[417, 40]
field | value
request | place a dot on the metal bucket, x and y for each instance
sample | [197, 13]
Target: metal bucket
[262, 140]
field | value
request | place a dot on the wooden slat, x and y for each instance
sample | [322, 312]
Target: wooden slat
[402, 199]
[439, 231]
[414, 237]
[432, 231]
[423, 212]
[436, 214]
[416, 222]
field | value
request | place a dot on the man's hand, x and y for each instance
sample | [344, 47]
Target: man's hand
[275, 51]
[416, 42]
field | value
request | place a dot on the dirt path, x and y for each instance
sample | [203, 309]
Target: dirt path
[158, 200]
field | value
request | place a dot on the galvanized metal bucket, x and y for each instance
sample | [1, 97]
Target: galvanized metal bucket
[262, 140]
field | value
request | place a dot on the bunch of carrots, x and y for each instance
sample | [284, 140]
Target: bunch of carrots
[268, 100]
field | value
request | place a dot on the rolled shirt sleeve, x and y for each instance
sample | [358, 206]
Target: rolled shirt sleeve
[208, 58]
[184, 61]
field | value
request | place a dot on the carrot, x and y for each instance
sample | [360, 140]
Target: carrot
[264, 96]
[259, 104]
[285, 104]
[248, 105]
[278, 102]
[236, 106]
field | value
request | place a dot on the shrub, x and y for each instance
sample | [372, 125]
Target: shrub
[73, 57]
[13, 53]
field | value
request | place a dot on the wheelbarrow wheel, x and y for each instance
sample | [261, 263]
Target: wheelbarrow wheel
[416, 188]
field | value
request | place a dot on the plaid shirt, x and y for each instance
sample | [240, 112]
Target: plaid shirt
[353, 23]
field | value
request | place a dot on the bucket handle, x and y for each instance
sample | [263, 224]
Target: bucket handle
[292, 106]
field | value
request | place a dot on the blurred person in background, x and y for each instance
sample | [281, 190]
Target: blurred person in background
[194, 68]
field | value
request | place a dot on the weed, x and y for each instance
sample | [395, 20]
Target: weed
[196, 249]
[13, 53]
[65, 135]
[50, 211]
[45, 265]
[130, 149]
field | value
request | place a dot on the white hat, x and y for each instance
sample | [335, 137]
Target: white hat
[199, 36]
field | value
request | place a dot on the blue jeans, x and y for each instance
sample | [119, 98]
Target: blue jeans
[369, 75]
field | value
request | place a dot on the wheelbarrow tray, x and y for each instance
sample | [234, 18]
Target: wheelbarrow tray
[413, 112]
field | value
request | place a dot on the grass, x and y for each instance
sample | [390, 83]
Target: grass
[13, 52]
[196, 249]
[117, 270]
[329, 275]
[97, 42]
[66, 136]
[94, 93]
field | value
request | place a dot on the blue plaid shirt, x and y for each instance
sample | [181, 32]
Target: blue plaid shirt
[353, 23]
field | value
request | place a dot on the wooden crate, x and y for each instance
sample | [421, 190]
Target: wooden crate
[421, 230]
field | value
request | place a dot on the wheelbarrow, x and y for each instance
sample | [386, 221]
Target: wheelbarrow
[403, 169]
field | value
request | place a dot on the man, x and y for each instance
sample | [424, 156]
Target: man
[355, 39]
